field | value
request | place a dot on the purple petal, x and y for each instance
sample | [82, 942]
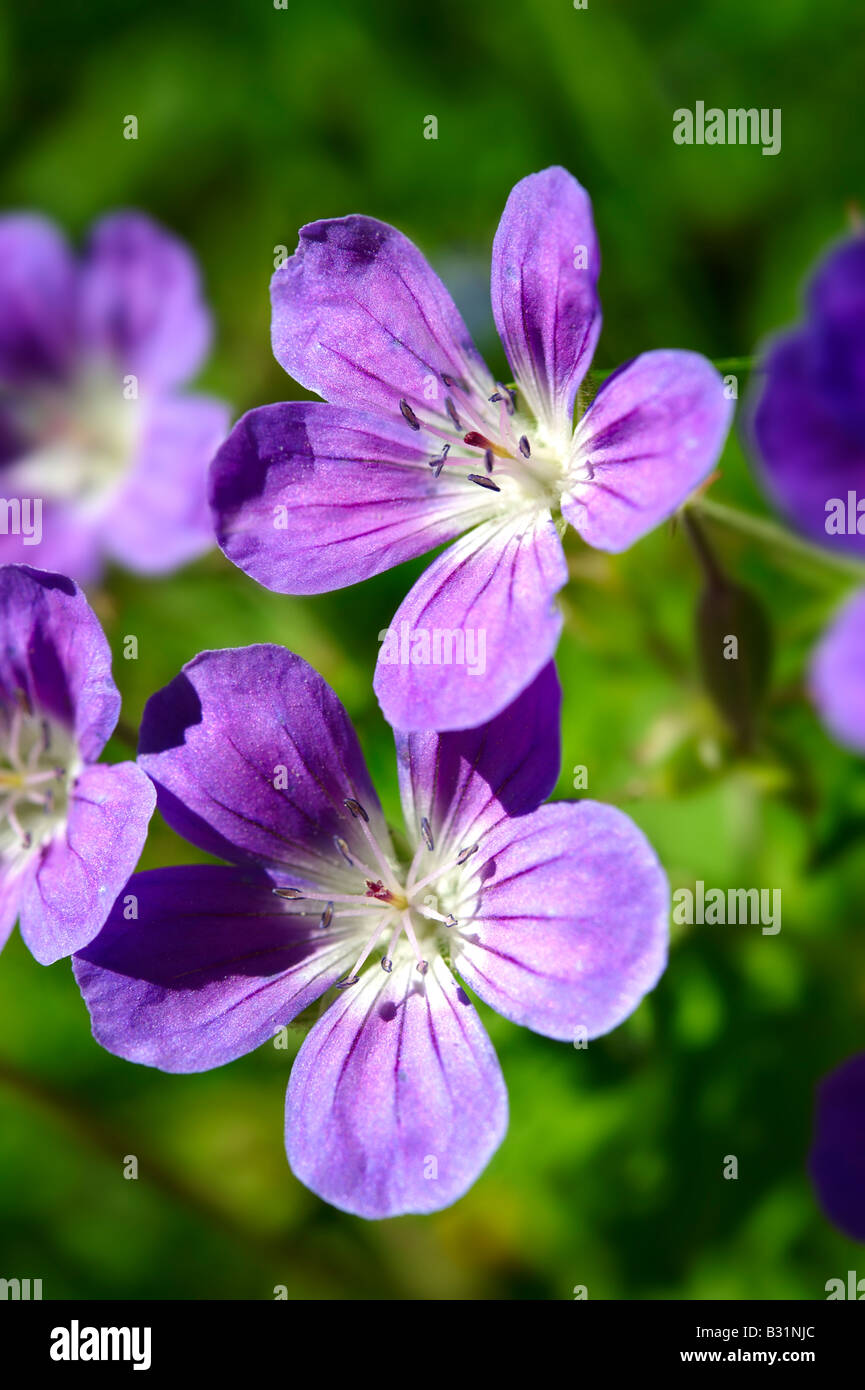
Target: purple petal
[81, 871]
[487, 603]
[53, 653]
[232, 725]
[141, 307]
[837, 304]
[654, 431]
[396, 1102]
[360, 318]
[161, 517]
[565, 925]
[544, 290]
[211, 968]
[838, 675]
[809, 455]
[309, 497]
[464, 783]
[837, 1159]
[37, 300]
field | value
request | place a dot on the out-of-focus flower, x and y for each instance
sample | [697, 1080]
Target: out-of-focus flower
[71, 829]
[809, 433]
[555, 915]
[418, 443]
[837, 1161]
[102, 456]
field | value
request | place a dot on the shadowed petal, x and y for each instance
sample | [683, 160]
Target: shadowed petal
[837, 1160]
[544, 290]
[37, 300]
[396, 1102]
[141, 307]
[654, 431]
[837, 304]
[81, 871]
[253, 756]
[466, 781]
[361, 318]
[490, 596]
[566, 924]
[161, 518]
[211, 968]
[54, 656]
[838, 675]
[808, 454]
[310, 497]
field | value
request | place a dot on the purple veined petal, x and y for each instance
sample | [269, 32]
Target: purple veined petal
[808, 456]
[654, 431]
[37, 300]
[476, 628]
[565, 924]
[396, 1101]
[463, 783]
[361, 318]
[160, 519]
[545, 270]
[837, 1158]
[15, 879]
[310, 497]
[253, 757]
[81, 871]
[140, 302]
[838, 675]
[213, 965]
[54, 656]
[837, 304]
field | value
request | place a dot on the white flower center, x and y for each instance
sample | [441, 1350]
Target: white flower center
[38, 763]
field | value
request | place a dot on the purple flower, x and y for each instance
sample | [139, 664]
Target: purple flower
[71, 829]
[809, 432]
[419, 443]
[837, 1160]
[101, 454]
[554, 915]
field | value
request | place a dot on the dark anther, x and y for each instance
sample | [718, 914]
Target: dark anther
[438, 463]
[423, 966]
[426, 831]
[451, 410]
[346, 984]
[488, 460]
[465, 854]
[408, 415]
[483, 481]
[525, 447]
[326, 917]
[454, 382]
[355, 808]
[386, 964]
[450, 920]
[290, 893]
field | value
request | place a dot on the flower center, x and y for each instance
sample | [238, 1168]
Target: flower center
[78, 438]
[491, 443]
[38, 762]
[397, 905]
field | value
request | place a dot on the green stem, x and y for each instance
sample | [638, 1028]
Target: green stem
[774, 537]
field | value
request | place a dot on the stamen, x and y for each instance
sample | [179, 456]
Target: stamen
[525, 447]
[483, 481]
[455, 383]
[426, 831]
[451, 410]
[386, 964]
[346, 984]
[408, 415]
[343, 849]
[326, 917]
[433, 916]
[465, 854]
[488, 460]
[291, 893]
[356, 809]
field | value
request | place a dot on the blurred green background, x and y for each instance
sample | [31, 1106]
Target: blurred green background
[252, 121]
